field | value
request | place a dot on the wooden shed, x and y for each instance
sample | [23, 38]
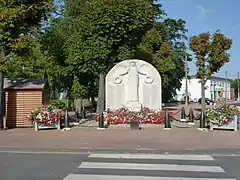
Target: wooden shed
[21, 97]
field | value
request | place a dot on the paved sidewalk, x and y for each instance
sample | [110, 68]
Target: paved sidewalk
[119, 139]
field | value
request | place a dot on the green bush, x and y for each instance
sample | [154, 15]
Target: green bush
[60, 104]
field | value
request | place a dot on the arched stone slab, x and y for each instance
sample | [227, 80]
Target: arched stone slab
[134, 84]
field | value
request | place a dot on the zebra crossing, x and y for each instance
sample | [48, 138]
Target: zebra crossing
[149, 167]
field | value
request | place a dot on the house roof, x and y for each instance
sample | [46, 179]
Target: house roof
[21, 83]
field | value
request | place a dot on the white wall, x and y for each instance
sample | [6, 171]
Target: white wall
[194, 88]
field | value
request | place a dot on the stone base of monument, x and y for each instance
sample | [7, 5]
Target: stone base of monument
[141, 126]
[134, 106]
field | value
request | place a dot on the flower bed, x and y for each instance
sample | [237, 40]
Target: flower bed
[225, 117]
[222, 115]
[46, 115]
[124, 116]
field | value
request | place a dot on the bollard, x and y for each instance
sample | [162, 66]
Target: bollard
[202, 120]
[83, 113]
[191, 116]
[183, 113]
[66, 123]
[101, 121]
[77, 113]
[167, 121]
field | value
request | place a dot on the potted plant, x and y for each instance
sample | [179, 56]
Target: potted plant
[223, 117]
[45, 117]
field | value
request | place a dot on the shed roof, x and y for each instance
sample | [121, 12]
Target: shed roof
[21, 83]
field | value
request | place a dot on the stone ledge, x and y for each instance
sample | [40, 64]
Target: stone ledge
[143, 126]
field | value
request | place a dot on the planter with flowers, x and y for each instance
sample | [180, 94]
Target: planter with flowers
[224, 117]
[124, 116]
[46, 117]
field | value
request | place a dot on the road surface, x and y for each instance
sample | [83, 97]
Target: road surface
[18, 165]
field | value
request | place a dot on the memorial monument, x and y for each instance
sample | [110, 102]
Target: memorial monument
[133, 84]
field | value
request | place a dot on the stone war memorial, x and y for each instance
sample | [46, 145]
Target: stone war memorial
[133, 85]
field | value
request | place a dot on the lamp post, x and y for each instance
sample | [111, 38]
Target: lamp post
[186, 83]
[1, 100]
[214, 92]
[238, 86]
[2, 96]
[226, 87]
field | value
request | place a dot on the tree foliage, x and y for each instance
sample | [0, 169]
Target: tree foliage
[164, 47]
[211, 52]
[99, 33]
[16, 22]
[89, 37]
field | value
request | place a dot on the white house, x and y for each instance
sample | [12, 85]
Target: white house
[213, 88]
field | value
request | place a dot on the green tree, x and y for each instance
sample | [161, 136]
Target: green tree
[16, 22]
[164, 47]
[234, 84]
[211, 52]
[31, 64]
[103, 32]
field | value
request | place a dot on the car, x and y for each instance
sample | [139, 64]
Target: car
[207, 101]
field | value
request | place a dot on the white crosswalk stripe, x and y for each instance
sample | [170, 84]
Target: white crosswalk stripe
[98, 162]
[151, 167]
[154, 156]
[110, 177]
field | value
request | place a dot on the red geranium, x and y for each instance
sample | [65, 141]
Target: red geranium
[124, 116]
[46, 115]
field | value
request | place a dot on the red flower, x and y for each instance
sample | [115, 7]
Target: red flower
[124, 116]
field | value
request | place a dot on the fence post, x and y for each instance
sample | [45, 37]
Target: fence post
[202, 120]
[83, 113]
[191, 116]
[66, 120]
[183, 113]
[167, 124]
[101, 122]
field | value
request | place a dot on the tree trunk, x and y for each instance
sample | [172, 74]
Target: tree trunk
[203, 104]
[101, 91]
[1, 100]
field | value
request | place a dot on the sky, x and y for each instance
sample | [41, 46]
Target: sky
[209, 16]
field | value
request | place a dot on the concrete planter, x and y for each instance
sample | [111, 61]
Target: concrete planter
[231, 126]
[39, 126]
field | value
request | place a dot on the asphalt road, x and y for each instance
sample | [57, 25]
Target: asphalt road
[77, 166]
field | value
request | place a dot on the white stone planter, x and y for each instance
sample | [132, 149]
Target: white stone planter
[231, 126]
[39, 126]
